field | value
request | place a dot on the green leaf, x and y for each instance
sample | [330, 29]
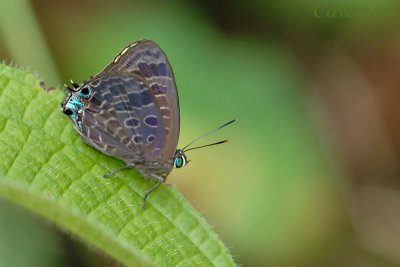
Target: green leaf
[46, 168]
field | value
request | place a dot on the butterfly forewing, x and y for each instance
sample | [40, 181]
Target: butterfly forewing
[147, 60]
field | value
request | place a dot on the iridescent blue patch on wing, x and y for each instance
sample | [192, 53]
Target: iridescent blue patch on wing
[151, 120]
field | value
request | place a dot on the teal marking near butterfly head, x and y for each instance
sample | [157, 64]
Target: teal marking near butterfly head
[85, 92]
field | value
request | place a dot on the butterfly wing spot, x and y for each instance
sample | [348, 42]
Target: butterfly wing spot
[132, 123]
[138, 139]
[150, 138]
[151, 121]
[156, 152]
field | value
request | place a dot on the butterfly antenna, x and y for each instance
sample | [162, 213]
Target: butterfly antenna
[207, 134]
[75, 86]
[213, 144]
[68, 88]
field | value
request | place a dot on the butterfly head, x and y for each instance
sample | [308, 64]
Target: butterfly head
[180, 159]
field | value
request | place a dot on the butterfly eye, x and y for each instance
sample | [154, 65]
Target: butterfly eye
[68, 112]
[85, 92]
[180, 161]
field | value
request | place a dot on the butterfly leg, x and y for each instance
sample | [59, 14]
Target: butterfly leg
[160, 180]
[117, 170]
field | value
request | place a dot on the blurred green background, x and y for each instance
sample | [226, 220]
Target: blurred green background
[311, 176]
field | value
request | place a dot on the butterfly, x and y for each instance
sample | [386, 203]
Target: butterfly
[130, 111]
